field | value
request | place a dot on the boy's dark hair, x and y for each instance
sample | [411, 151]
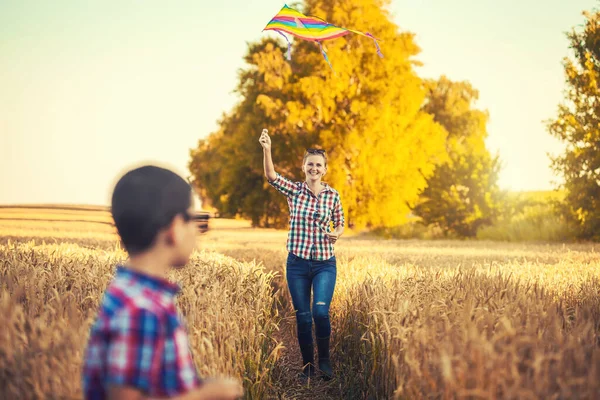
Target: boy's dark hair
[144, 201]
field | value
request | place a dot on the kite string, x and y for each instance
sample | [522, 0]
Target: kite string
[325, 55]
[289, 50]
[376, 44]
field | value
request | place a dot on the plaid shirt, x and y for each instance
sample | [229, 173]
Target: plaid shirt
[310, 218]
[138, 340]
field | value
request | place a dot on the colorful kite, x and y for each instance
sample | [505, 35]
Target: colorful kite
[309, 28]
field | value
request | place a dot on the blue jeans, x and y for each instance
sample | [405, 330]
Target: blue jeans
[302, 276]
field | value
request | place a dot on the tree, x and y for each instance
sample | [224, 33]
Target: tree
[227, 165]
[578, 126]
[381, 146]
[462, 195]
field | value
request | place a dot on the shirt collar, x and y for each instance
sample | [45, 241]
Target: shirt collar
[327, 187]
[155, 283]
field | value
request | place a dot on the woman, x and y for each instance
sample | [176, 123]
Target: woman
[311, 263]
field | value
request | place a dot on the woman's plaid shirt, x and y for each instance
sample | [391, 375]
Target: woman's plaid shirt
[310, 218]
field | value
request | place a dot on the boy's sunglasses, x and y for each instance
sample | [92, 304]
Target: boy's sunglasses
[201, 219]
[315, 151]
[195, 217]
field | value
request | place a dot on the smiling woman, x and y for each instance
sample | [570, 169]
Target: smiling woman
[311, 262]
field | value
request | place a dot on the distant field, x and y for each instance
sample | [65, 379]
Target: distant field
[411, 319]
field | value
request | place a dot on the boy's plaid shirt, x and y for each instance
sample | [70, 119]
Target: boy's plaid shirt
[310, 218]
[138, 340]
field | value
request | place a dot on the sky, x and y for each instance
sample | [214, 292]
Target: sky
[90, 88]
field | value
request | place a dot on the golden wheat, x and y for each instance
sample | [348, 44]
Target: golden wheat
[49, 295]
[410, 319]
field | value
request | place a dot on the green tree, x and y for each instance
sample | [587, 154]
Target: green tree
[381, 145]
[578, 126]
[462, 195]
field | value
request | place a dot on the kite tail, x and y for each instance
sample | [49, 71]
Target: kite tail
[289, 50]
[376, 44]
[325, 55]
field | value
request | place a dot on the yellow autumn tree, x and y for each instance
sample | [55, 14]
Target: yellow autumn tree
[382, 146]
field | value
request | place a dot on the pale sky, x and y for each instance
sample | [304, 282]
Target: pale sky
[88, 88]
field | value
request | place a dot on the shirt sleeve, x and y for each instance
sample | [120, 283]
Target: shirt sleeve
[338, 213]
[285, 186]
[136, 343]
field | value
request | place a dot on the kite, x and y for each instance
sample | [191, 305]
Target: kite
[309, 28]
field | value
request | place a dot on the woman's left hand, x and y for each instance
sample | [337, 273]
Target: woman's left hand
[333, 236]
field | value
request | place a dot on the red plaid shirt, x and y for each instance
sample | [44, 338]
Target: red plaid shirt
[138, 340]
[310, 218]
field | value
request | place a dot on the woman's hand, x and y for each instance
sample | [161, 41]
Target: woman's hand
[336, 234]
[265, 140]
[333, 236]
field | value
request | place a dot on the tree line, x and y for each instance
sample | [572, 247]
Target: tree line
[401, 148]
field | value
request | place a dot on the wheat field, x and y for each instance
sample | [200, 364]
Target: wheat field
[410, 319]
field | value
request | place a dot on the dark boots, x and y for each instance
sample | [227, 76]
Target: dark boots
[324, 363]
[308, 360]
[308, 363]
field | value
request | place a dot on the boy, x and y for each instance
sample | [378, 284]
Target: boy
[138, 347]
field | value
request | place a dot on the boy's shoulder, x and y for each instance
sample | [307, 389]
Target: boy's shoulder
[130, 294]
[138, 322]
